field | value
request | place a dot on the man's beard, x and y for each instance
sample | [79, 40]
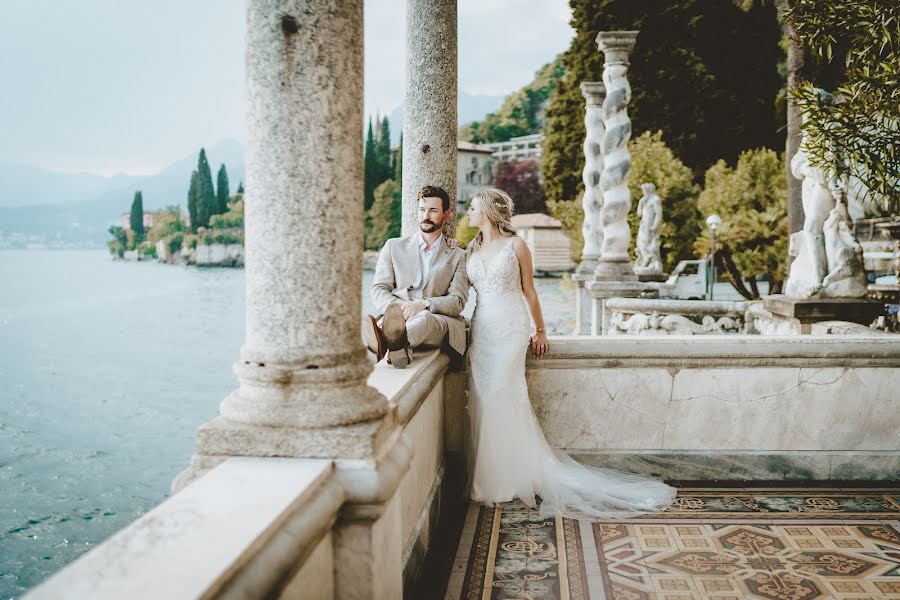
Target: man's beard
[428, 226]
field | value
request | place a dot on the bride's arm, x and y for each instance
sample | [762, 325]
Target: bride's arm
[539, 343]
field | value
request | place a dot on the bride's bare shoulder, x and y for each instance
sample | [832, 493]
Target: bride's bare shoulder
[519, 245]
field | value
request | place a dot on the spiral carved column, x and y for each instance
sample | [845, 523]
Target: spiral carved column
[615, 263]
[593, 92]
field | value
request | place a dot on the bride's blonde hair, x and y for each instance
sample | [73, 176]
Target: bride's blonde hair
[497, 207]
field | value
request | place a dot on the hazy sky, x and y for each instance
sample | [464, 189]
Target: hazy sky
[107, 86]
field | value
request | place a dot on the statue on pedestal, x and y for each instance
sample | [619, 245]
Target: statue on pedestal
[650, 209]
[828, 259]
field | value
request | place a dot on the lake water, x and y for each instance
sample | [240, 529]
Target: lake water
[106, 370]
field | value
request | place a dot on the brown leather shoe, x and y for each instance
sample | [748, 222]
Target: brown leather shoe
[393, 325]
[375, 341]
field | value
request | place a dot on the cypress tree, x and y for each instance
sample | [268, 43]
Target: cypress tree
[704, 72]
[192, 201]
[385, 171]
[206, 195]
[370, 169]
[241, 187]
[137, 216]
[222, 191]
[397, 167]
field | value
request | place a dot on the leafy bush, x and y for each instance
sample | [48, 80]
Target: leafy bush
[173, 244]
[166, 223]
[221, 237]
[233, 219]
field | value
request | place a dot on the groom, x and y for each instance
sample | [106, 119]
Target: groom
[420, 288]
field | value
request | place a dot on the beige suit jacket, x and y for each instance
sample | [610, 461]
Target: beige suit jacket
[399, 270]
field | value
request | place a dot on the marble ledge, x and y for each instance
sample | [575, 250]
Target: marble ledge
[408, 388]
[720, 351]
[217, 533]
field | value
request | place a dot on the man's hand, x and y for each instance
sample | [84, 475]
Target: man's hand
[412, 308]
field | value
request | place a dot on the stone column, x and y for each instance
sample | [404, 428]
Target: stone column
[593, 93]
[615, 263]
[303, 369]
[429, 123]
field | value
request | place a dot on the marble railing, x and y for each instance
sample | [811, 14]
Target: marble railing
[724, 407]
[262, 527]
[646, 316]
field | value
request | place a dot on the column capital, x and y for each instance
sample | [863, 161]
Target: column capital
[593, 92]
[616, 45]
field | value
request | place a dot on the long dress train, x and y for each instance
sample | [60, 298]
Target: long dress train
[508, 454]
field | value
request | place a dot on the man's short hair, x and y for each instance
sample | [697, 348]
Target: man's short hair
[433, 191]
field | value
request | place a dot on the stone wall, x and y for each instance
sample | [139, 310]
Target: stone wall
[725, 407]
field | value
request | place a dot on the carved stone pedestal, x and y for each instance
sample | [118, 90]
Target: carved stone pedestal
[797, 315]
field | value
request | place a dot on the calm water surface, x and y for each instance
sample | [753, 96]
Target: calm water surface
[106, 370]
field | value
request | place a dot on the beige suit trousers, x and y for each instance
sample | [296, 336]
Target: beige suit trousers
[426, 330]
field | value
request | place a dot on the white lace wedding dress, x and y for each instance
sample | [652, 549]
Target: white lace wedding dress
[508, 454]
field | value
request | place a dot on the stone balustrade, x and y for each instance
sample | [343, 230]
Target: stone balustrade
[651, 316]
[257, 527]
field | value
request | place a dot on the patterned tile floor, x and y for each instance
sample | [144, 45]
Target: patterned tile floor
[772, 544]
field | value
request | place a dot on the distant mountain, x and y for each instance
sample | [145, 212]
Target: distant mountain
[84, 210]
[468, 108]
[24, 185]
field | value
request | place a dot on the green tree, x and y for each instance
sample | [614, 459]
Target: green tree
[240, 189]
[751, 199]
[137, 216]
[702, 71]
[192, 200]
[859, 133]
[206, 194]
[383, 152]
[119, 243]
[522, 112]
[370, 168]
[222, 192]
[385, 216]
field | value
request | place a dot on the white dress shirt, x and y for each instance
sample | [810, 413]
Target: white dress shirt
[425, 259]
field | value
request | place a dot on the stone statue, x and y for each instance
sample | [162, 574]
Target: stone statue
[650, 210]
[828, 259]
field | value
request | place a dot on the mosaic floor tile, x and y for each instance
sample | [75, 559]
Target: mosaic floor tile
[718, 545]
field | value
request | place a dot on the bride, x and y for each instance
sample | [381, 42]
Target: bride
[511, 457]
